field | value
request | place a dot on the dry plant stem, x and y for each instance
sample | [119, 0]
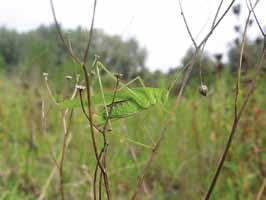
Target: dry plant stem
[190, 66]
[241, 110]
[204, 44]
[104, 149]
[261, 191]
[186, 24]
[65, 42]
[149, 162]
[45, 187]
[238, 114]
[217, 13]
[257, 21]
[255, 16]
[84, 111]
[87, 81]
[184, 81]
[86, 52]
[50, 91]
[217, 23]
[61, 164]
[91, 121]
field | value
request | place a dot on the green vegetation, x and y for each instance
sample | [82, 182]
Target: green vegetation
[181, 170]
[34, 124]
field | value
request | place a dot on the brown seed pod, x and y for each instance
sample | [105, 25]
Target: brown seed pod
[203, 90]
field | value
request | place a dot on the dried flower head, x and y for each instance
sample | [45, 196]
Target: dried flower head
[80, 87]
[68, 77]
[118, 76]
[45, 75]
[203, 90]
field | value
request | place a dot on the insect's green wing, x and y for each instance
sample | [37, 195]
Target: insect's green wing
[134, 101]
[128, 101]
[145, 97]
[124, 109]
[96, 99]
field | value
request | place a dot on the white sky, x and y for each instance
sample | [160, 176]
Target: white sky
[156, 24]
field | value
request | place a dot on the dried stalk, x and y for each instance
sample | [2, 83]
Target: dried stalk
[184, 81]
[237, 112]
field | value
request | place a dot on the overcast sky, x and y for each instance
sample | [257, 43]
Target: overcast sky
[156, 24]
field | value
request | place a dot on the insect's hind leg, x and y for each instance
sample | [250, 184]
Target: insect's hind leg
[138, 78]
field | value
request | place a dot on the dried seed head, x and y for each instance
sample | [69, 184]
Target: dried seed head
[80, 87]
[118, 76]
[203, 90]
[68, 77]
[45, 75]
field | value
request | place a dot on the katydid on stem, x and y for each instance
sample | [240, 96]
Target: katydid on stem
[128, 101]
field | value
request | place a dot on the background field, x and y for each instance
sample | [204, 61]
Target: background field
[31, 131]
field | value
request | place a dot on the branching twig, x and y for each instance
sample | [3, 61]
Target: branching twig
[150, 160]
[252, 7]
[104, 149]
[238, 112]
[186, 24]
[184, 81]
[84, 111]
[65, 41]
[64, 146]
[86, 52]
[217, 23]
[57, 166]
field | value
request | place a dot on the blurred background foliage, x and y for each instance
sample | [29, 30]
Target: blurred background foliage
[189, 153]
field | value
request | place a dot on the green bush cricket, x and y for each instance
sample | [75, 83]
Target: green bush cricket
[128, 101]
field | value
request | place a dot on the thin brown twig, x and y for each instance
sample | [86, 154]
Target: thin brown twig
[65, 41]
[257, 21]
[217, 23]
[42, 195]
[252, 7]
[84, 111]
[50, 93]
[150, 160]
[186, 24]
[204, 44]
[217, 13]
[235, 122]
[95, 148]
[168, 122]
[197, 50]
[262, 189]
[64, 146]
[86, 52]
[104, 149]
[87, 81]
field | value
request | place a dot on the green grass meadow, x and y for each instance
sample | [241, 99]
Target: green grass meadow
[31, 135]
